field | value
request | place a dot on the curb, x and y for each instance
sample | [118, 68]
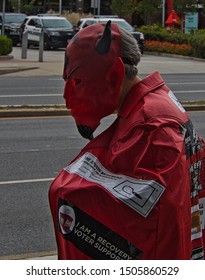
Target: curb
[194, 107]
[29, 111]
[32, 112]
[9, 70]
[50, 255]
[4, 57]
[53, 110]
[175, 56]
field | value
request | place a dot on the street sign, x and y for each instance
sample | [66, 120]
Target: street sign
[191, 22]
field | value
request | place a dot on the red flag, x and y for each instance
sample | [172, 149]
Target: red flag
[173, 19]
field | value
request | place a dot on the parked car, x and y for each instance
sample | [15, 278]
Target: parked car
[57, 30]
[12, 23]
[139, 36]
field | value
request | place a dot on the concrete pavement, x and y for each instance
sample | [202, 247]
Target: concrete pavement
[14, 65]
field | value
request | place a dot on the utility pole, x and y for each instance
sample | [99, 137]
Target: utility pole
[60, 7]
[79, 6]
[95, 4]
[98, 7]
[163, 12]
[3, 18]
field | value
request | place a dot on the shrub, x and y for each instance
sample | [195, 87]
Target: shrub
[173, 41]
[198, 44]
[5, 45]
[172, 35]
[167, 47]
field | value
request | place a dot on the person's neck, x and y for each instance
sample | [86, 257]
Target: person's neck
[125, 88]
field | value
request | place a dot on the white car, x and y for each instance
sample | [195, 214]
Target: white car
[139, 36]
[57, 30]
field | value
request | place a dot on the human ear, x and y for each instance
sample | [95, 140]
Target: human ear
[116, 74]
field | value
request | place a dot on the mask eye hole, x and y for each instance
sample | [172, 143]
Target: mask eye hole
[76, 82]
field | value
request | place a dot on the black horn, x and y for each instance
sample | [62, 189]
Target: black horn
[104, 43]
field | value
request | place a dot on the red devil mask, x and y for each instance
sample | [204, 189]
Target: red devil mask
[93, 72]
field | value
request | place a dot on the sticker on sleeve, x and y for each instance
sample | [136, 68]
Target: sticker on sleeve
[92, 237]
[176, 101]
[202, 212]
[140, 195]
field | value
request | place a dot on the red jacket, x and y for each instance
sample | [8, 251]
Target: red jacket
[137, 191]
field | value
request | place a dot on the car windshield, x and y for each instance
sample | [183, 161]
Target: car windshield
[56, 23]
[121, 23]
[14, 18]
[124, 25]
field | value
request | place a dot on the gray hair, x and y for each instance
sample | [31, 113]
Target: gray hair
[131, 54]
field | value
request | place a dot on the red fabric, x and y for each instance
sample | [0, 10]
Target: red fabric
[127, 194]
[169, 6]
[88, 92]
[173, 19]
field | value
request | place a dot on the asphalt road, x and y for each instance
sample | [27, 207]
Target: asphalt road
[37, 90]
[32, 152]
[48, 90]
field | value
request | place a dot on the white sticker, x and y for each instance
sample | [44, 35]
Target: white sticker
[176, 101]
[202, 212]
[140, 195]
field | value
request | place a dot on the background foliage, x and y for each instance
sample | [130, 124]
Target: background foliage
[5, 45]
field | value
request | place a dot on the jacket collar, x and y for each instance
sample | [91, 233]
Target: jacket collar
[150, 83]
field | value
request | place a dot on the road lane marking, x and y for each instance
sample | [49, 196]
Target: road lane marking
[31, 87]
[26, 181]
[188, 91]
[29, 95]
[186, 83]
[46, 95]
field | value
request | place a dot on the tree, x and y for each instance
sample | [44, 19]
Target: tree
[201, 6]
[151, 10]
[183, 6]
[27, 6]
[14, 5]
[123, 8]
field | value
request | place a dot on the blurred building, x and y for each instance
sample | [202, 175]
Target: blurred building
[79, 6]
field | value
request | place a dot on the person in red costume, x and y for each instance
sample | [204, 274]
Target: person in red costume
[137, 190]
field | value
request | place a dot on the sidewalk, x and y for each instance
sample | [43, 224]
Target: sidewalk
[13, 64]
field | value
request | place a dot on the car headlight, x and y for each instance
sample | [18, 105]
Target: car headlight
[12, 30]
[141, 36]
[54, 33]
